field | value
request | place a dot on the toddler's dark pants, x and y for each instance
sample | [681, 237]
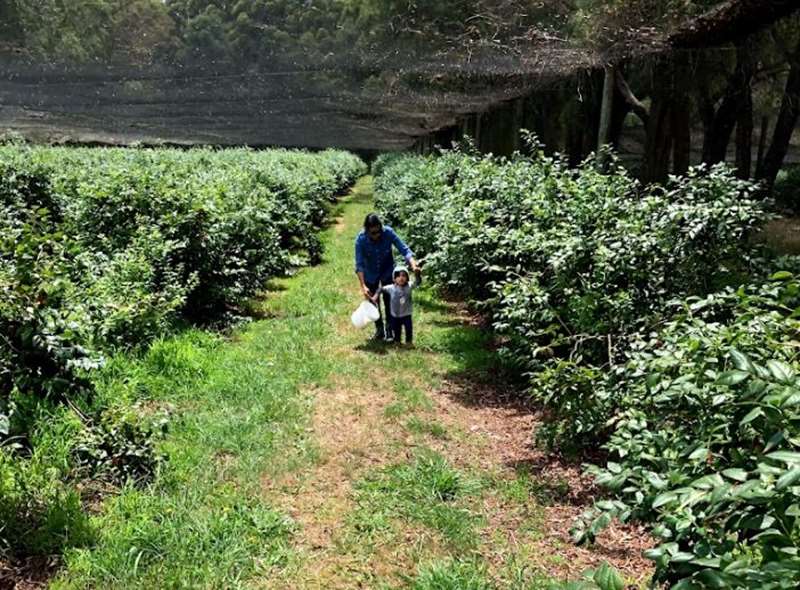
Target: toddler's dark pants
[387, 315]
[404, 322]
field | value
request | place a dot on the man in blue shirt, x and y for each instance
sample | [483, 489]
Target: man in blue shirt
[375, 264]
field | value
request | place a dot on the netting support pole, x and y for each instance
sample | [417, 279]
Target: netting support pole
[606, 110]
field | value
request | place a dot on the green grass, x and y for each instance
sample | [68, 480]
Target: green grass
[240, 408]
[419, 426]
[409, 399]
[239, 415]
[452, 575]
[426, 490]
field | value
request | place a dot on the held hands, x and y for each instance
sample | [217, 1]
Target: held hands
[367, 292]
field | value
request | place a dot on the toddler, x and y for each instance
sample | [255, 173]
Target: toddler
[400, 302]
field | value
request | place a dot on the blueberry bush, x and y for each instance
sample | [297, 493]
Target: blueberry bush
[643, 319]
[101, 252]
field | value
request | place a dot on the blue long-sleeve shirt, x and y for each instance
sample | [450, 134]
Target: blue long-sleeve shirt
[374, 258]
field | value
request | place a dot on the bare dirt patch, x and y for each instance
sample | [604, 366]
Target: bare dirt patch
[353, 437]
[488, 433]
[497, 436]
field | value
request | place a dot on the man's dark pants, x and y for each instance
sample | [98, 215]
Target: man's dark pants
[380, 332]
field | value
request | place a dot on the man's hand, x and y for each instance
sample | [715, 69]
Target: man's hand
[367, 292]
[415, 267]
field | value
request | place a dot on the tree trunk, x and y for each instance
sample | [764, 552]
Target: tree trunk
[744, 136]
[618, 117]
[762, 146]
[552, 128]
[668, 135]
[718, 133]
[606, 109]
[784, 126]
[574, 143]
[682, 138]
[658, 144]
[719, 127]
[591, 110]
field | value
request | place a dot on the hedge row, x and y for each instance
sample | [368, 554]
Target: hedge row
[621, 306]
[108, 248]
[104, 250]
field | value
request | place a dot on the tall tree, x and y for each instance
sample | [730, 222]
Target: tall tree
[784, 126]
[720, 122]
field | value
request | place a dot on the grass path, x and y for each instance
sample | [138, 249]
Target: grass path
[303, 456]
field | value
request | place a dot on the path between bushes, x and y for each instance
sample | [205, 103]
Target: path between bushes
[393, 427]
[301, 456]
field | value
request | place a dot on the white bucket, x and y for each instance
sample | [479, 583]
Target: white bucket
[365, 315]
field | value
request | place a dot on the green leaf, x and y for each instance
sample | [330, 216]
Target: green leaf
[664, 498]
[780, 370]
[655, 480]
[654, 554]
[756, 412]
[699, 453]
[789, 457]
[732, 377]
[788, 479]
[740, 361]
[793, 510]
[736, 474]
[714, 562]
[607, 578]
[781, 275]
[774, 441]
[713, 579]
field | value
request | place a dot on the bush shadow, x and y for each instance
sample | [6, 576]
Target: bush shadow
[480, 378]
[555, 480]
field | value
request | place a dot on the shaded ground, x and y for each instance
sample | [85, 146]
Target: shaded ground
[783, 235]
[27, 575]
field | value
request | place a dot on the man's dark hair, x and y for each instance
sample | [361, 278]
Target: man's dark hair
[372, 220]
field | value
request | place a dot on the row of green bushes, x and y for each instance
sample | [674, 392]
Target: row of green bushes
[104, 250]
[644, 319]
